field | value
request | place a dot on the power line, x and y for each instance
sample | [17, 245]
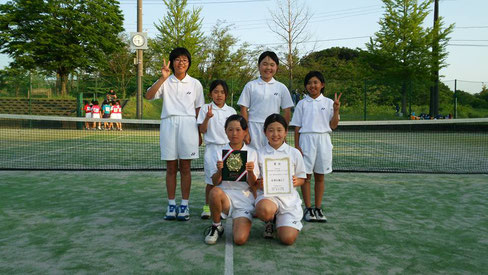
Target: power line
[468, 45]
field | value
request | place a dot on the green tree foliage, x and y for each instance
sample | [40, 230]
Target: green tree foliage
[224, 63]
[120, 69]
[400, 50]
[14, 81]
[342, 69]
[179, 28]
[60, 36]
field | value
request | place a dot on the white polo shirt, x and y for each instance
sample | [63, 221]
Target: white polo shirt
[216, 125]
[298, 167]
[264, 98]
[313, 115]
[252, 156]
[180, 97]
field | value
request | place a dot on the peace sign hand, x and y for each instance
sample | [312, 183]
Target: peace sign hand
[165, 71]
[209, 113]
[337, 102]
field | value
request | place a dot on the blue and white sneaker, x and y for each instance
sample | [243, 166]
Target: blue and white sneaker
[183, 213]
[170, 212]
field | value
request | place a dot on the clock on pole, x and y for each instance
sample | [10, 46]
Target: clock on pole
[138, 41]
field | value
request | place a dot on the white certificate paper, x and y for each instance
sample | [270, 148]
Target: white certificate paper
[277, 178]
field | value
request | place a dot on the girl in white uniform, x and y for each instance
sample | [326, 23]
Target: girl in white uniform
[286, 209]
[211, 121]
[263, 97]
[179, 138]
[314, 118]
[233, 198]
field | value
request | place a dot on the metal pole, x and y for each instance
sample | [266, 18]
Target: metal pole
[139, 62]
[435, 52]
[455, 98]
[365, 97]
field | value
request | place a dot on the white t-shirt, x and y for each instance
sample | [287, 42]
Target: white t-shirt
[252, 156]
[298, 167]
[313, 115]
[180, 97]
[216, 125]
[264, 98]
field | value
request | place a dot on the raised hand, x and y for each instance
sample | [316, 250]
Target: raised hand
[220, 165]
[209, 113]
[250, 166]
[337, 102]
[165, 70]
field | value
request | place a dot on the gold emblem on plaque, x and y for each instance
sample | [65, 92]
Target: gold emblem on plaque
[234, 162]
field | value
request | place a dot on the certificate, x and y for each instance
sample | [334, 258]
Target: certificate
[234, 165]
[277, 178]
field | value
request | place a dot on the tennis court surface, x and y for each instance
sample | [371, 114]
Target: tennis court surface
[112, 222]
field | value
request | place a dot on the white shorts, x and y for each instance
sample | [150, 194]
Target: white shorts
[317, 152]
[88, 115]
[241, 204]
[256, 131]
[116, 116]
[95, 115]
[178, 138]
[210, 151]
[290, 216]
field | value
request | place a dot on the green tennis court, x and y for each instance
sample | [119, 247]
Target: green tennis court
[94, 222]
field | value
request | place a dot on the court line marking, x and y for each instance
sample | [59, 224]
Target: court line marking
[229, 249]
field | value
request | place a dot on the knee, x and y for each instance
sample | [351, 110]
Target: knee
[287, 240]
[240, 240]
[214, 194]
[264, 214]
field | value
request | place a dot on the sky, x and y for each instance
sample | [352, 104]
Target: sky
[335, 23]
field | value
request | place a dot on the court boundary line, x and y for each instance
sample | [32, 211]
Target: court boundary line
[229, 248]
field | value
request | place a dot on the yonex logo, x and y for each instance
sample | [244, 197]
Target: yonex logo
[294, 222]
[275, 93]
[193, 153]
[247, 212]
[323, 108]
[188, 93]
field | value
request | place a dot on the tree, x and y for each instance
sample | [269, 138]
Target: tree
[120, 67]
[400, 50]
[60, 36]
[179, 28]
[289, 23]
[222, 62]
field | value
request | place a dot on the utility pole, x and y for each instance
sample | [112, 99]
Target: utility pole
[139, 62]
[435, 53]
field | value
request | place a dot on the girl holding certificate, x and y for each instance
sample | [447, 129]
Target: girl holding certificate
[233, 197]
[314, 119]
[282, 170]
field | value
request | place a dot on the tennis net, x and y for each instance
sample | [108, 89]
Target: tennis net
[62, 143]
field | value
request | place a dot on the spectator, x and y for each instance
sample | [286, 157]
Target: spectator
[111, 95]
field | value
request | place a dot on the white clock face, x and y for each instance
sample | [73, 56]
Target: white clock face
[138, 40]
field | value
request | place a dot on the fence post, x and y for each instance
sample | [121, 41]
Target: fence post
[409, 98]
[79, 112]
[365, 97]
[455, 98]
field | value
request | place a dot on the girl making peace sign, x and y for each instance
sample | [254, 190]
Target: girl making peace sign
[314, 118]
[179, 138]
[211, 121]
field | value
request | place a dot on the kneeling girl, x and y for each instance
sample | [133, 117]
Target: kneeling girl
[284, 210]
[233, 198]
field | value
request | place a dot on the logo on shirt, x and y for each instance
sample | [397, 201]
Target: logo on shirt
[276, 94]
[323, 108]
[294, 222]
[188, 93]
[192, 154]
